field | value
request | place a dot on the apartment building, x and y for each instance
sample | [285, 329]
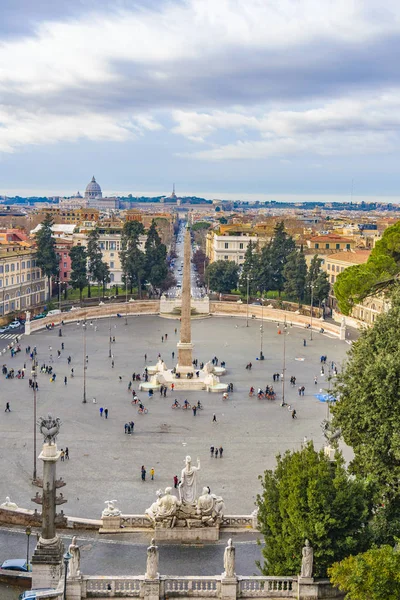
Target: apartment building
[229, 242]
[22, 284]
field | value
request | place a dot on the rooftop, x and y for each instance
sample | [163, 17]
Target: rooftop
[355, 257]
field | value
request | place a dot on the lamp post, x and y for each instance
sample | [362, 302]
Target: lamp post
[247, 313]
[84, 361]
[66, 558]
[109, 331]
[34, 372]
[284, 361]
[262, 326]
[126, 299]
[311, 308]
[28, 532]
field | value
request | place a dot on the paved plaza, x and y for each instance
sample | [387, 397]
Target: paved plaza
[105, 463]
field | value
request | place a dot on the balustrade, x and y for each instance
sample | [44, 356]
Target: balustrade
[267, 587]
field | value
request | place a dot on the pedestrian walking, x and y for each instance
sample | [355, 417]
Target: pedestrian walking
[65, 380]
[106, 413]
[112, 364]
[101, 411]
[143, 471]
[194, 409]
[162, 339]
[8, 409]
[214, 419]
[315, 380]
[212, 450]
[294, 414]
[62, 455]
[94, 400]
[304, 342]
[145, 357]
[67, 453]
[173, 355]
[72, 372]
[221, 450]
[152, 472]
[176, 480]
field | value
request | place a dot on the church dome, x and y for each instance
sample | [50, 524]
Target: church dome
[93, 190]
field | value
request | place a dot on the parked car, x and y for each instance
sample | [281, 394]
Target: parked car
[14, 325]
[16, 564]
[39, 316]
[3, 329]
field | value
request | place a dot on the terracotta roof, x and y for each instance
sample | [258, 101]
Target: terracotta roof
[356, 257]
[330, 237]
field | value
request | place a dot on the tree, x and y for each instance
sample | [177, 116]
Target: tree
[250, 269]
[104, 275]
[373, 575]
[222, 276]
[132, 258]
[295, 273]
[369, 392]
[317, 278]
[46, 255]
[200, 261]
[201, 225]
[309, 497]
[78, 279]
[156, 257]
[281, 246]
[96, 267]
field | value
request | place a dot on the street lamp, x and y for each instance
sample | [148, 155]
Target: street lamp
[262, 326]
[109, 331]
[126, 299]
[311, 308]
[34, 372]
[284, 361]
[67, 557]
[84, 360]
[247, 314]
[28, 532]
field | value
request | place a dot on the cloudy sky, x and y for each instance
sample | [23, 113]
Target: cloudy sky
[228, 98]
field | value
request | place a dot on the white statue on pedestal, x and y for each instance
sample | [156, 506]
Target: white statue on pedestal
[111, 510]
[8, 504]
[307, 561]
[152, 561]
[210, 507]
[75, 562]
[229, 560]
[188, 485]
[152, 512]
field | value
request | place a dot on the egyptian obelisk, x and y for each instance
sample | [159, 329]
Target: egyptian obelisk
[185, 346]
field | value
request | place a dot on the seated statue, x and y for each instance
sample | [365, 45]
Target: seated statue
[153, 510]
[163, 511]
[210, 507]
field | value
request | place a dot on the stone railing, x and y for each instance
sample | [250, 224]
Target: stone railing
[135, 521]
[239, 522]
[258, 587]
[207, 587]
[96, 586]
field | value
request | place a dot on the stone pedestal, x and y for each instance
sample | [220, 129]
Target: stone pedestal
[307, 589]
[151, 589]
[228, 588]
[74, 588]
[47, 566]
[110, 524]
[186, 535]
[185, 357]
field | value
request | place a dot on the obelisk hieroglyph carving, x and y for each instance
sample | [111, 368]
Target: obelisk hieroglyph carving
[185, 346]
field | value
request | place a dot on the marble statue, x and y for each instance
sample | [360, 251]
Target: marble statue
[152, 512]
[75, 562]
[229, 560]
[307, 560]
[8, 504]
[210, 507]
[161, 366]
[152, 561]
[49, 428]
[111, 510]
[188, 484]
[208, 367]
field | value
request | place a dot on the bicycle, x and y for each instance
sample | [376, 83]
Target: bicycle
[142, 411]
[135, 400]
[177, 405]
[187, 406]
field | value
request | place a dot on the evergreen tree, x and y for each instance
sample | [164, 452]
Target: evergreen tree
[250, 269]
[103, 275]
[265, 273]
[281, 246]
[95, 259]
[222, 276]
[156, 257]
[295, 273]
[309, 497]
[78, 279]
[46, 255]
[319, 279]
[133, 260]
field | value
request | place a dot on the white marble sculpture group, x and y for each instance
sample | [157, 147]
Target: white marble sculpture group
[191, 509]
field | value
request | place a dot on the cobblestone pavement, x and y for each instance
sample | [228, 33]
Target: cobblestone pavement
[105, 463]
[125, 555]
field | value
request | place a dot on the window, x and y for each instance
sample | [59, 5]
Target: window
[65, 255]
[33, 275]
[65, 275]
[332, 279]
[23, 265]
[112, 254]
[28, 264]
[327, 246]
[22, 278]
[112, 246]
[241, 246]
[111, 276]
[12, 267]
[329, 266]
[226, 257]
[1, 269]
[65, 265]
[12, 280]
[101, 245]
[316, 246]
[241, 257]
[347, 246]
[226, 245]
[1, 283]
[28, 276]
[34, 263]
[17, 278]
[6, 281]
[112, 264]
[337, 246]
[7, 268]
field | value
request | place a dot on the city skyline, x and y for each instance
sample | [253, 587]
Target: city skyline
[231, 99]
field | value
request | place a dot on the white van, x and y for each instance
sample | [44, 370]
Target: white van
[51, 313]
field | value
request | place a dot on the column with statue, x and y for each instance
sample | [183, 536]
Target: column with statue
[47, 560]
